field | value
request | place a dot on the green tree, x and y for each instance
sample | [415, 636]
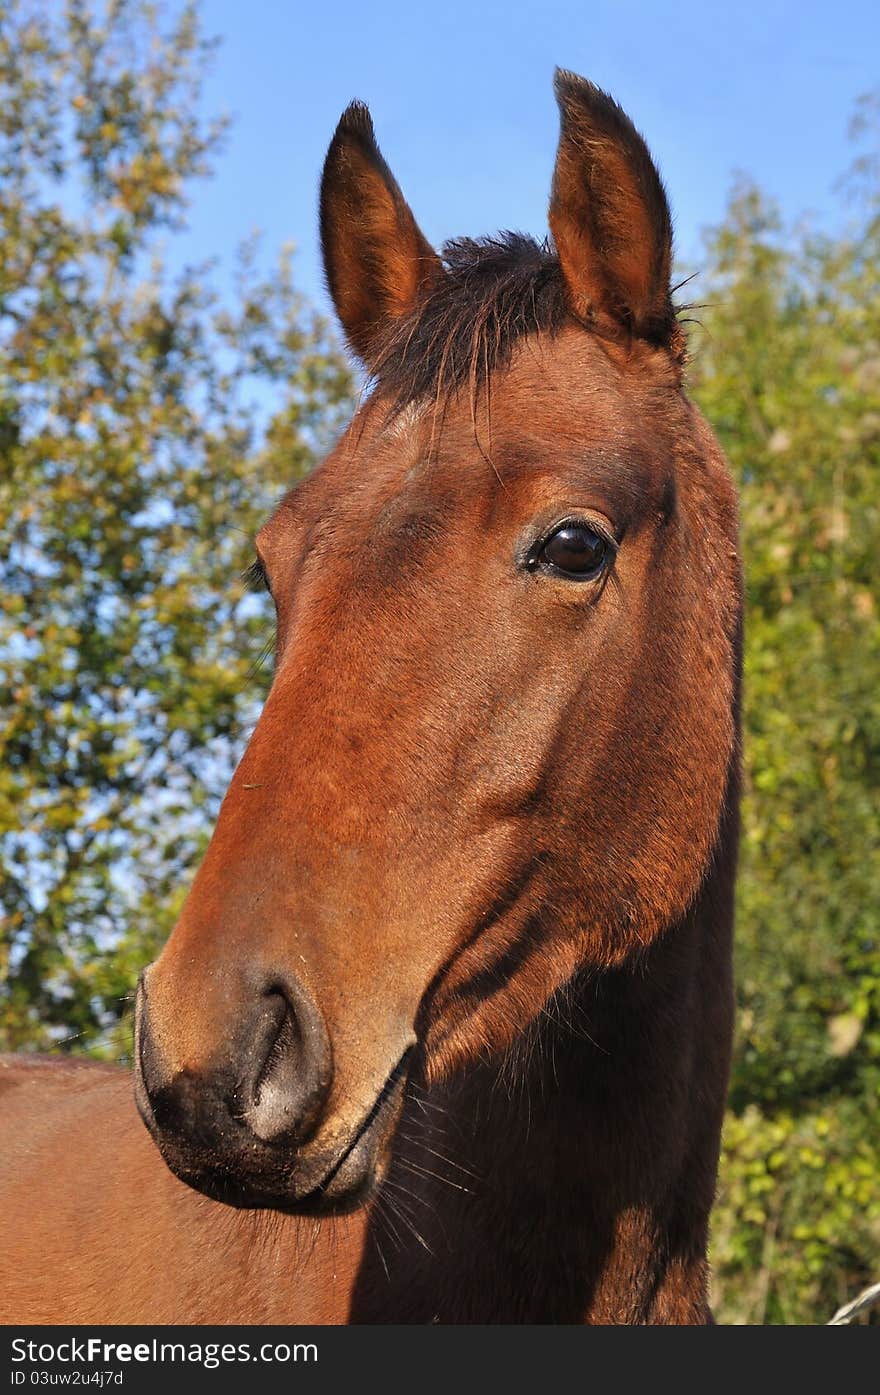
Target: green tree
[788, 372]
[136, 461]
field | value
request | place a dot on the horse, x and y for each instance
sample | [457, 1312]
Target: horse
[443, 1032]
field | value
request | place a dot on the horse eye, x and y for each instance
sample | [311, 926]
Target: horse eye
[575, 550]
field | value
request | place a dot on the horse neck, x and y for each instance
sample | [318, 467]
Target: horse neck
[572, 1181]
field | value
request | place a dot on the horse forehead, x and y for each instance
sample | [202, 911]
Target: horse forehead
[562, 403]
[582, 388]
[416, 459]
[561, 399]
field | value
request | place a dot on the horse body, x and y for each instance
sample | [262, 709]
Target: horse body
[443, 1031]
[95, 1232]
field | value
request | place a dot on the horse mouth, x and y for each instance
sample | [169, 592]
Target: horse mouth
[277, 1180]
[351, 1179]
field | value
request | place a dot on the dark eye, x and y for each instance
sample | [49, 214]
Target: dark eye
[575, 550]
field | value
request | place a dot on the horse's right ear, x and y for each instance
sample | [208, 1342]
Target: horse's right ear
[376, 259]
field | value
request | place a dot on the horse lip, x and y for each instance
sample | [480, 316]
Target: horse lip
[371, 1123]
[345, 1184]
[141, 1095]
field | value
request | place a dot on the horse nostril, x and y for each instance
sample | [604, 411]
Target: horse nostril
[293, 1080]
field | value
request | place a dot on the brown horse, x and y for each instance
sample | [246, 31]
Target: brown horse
[443, 1032]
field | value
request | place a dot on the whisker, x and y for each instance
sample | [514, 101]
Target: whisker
[406, 1219]
[427, 1172]
[442, 1157]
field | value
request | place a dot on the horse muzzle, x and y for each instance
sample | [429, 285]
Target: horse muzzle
[253, 1130]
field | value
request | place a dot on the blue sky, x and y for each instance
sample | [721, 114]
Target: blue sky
[461, 96]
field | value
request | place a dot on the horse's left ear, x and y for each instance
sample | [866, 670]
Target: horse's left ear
[609, 216]
[376, 258]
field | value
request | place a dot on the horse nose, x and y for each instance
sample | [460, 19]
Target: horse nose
[271, 1087]
[282, 1095]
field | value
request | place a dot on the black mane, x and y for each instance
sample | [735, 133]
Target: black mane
[496, 291]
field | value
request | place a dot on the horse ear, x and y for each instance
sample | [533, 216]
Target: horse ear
[609, 216]
[376, 259]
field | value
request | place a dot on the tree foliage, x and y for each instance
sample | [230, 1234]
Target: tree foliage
[134, 468]
[788, 371]
[147, 423]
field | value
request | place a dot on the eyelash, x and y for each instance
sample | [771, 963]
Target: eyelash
[600, 529]
[255, 577]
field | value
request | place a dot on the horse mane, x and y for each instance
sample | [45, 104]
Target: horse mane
[496, 291]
